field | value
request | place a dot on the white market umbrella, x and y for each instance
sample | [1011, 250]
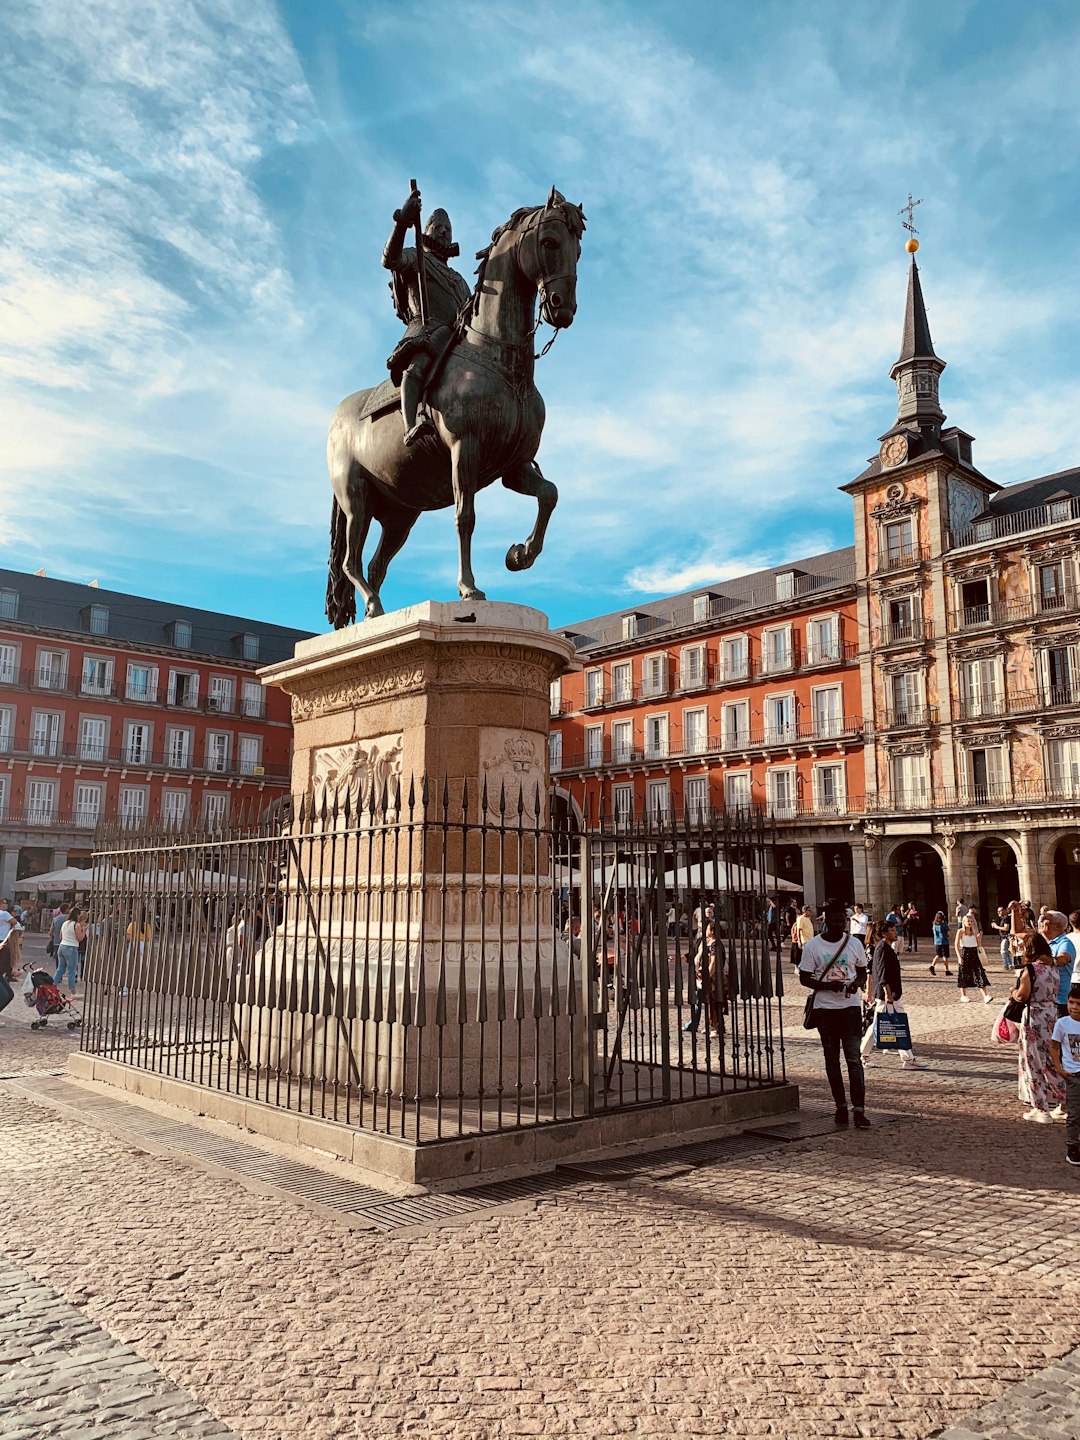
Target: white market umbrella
[71, 877]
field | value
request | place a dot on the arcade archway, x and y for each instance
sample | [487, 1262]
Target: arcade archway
[1066, 874]
[997, 877]
[917, 875]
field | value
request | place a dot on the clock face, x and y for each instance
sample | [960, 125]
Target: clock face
[894, 450]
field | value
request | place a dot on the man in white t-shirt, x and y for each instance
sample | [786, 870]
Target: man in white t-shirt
[833, 966]
[1065, 1058]
[860, 922]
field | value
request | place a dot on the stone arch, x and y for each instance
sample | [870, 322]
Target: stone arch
[915, 870]
[1064, 870]
[995, 866]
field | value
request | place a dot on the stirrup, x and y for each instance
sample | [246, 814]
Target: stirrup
[422, 427]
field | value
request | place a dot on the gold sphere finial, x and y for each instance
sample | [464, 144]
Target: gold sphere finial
[911, 246]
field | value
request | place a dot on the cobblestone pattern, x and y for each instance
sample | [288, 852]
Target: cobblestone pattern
[865, 1284]
[1046, 1407]
[62, 1375]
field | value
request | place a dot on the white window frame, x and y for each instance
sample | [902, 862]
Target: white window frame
[555, 750]
[734, 780]
[40, 801]
[215, 807]
[249, 646]
[903, 550]
[696, 797]
[816, 652]
[172, 734]
[790, 805]
[594, 746]
[44, 676]
[134, 804]
[253, 699]
[221, 694]
[622, 741]
[218, 755]
[191, 695]
[87, 815]
[101, 682]
[735, 670]
[94, 751]
[147, 697]
[181, 634]
[660, 748]
[9, 664]
[995, 787]
[7, 728]
[914, 702]
[622, 801]
[5, 788]
[702, 607]
[914, 795]
[834, 727]
[785, 585]
[9, 604]
[49, 725]
[249, 760]
[693, 671]
[691, 719]
[138, 753]
[787, 732]
[654, 673]
[658, 799]
[175, 806]
[97, 620]
[735, 737]
[554, 697]
[982, 684]
[622, 681]
[594, 687]
[837, 806]
[769, 665]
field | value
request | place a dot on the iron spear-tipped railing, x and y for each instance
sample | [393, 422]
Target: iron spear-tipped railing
[429, 961]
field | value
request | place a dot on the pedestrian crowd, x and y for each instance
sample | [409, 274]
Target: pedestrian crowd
[850, 964]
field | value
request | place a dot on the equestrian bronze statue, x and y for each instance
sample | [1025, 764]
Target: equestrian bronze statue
[468, 412]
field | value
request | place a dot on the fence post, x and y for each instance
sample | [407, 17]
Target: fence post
[591, 955]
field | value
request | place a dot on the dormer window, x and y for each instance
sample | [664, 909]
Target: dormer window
[702, 607]
[1058, 510]
[248, 646]
[785, 585]
[631, 627]
[97, 620]
[9, 604]
[180, 634]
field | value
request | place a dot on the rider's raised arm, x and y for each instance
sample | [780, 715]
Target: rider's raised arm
[394, 256]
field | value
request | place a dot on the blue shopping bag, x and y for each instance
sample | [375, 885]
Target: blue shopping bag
[891, 1030]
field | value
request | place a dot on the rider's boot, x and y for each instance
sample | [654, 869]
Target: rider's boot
[411, 390]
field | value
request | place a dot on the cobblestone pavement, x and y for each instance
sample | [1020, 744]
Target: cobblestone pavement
[61, 1375]
[888, 1283]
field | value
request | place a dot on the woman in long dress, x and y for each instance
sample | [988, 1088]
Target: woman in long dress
[1038, 1085]
[970, 973]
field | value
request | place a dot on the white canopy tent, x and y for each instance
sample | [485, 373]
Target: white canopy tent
[712, 876]
[69, 878]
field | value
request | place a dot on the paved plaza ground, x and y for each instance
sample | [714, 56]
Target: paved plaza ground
[918, 1279]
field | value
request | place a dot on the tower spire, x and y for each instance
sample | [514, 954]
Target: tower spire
[917, 368]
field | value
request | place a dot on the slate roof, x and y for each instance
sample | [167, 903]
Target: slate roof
[1029, 494]
[62, 605]
[916, 342]
[743, 592]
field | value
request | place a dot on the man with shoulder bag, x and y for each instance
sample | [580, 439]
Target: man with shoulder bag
[833, 967]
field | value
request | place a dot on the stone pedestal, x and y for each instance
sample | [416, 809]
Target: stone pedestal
[418, 955]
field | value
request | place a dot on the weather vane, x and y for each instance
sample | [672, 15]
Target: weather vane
[909, 224]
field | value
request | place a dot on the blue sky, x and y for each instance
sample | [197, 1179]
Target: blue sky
[194, 198]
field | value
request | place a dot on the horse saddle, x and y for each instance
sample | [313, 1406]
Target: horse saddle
[384, 397]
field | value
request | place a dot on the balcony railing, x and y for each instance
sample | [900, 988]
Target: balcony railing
[902, 558]
[134, 757]
[610, 753]
[905, 632]
[1001, 527]
[114, 688]
[902, 716]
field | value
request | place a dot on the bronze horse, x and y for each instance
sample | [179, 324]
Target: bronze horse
[487, 412]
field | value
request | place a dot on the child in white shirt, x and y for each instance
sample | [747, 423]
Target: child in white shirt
[1065, 1058]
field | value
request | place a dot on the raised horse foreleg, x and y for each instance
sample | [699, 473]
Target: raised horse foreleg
[465, 472]
[529, 481]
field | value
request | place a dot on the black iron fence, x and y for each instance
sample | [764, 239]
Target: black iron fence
[430, 965]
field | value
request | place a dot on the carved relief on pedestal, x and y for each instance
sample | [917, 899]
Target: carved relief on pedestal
[356, 770]
[513, 762]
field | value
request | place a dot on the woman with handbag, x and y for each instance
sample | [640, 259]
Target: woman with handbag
[971, 960]
[1036, 990]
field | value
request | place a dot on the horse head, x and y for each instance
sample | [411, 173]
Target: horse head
[550, 256]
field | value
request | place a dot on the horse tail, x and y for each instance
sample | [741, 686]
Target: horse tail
[340, 593]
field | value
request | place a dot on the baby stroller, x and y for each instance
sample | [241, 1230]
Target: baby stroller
[42, 995]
